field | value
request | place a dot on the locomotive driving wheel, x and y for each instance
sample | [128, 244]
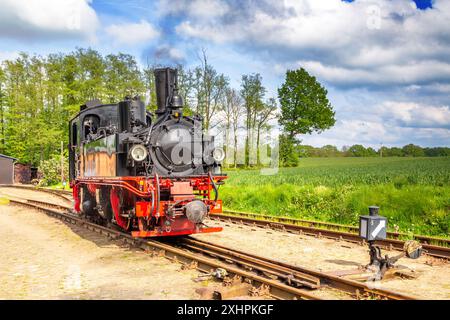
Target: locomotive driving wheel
[118, 204]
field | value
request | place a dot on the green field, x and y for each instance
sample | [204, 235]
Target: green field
[414, 193]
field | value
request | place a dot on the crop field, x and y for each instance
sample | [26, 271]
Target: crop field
[414, 193]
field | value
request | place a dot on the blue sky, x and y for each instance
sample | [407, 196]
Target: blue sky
[385, 63]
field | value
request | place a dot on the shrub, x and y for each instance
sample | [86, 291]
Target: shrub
[51, 170]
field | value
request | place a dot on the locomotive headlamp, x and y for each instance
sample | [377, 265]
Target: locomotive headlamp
[218, 154]
[138, 152]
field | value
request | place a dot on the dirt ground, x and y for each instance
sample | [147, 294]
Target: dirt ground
[43, 258]
[433, 282]
[32, 195]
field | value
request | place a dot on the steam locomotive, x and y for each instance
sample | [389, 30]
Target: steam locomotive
[148, 174]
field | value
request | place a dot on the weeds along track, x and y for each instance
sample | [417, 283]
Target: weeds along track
[241, 273]
[436, 247]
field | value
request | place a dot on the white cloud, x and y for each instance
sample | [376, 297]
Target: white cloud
[414, 115]
[132, 33]
[373, 134]
[31, 19]
[361, 43]
[402, 74]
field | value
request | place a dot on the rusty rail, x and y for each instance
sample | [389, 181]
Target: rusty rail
[274, 288]
[331, 231]
[278, 279]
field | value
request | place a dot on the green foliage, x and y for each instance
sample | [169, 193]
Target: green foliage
[288, 154]
[412, 150]
[51, 170]
[437, 152]
[358, 150]
[304, 104]
[39, 95]
[413, 193]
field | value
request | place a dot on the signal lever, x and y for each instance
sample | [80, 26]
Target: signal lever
[373, 227]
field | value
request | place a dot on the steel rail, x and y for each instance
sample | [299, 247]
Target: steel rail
[339, 227]
[275, 288]
[354, 288]
[276, 223]
[433, 245]
[261, 272]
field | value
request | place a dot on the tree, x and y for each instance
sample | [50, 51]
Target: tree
[288, 155]
[394, 152]
[437, 152]
[210, 87]
[411, 150]
[357, 150]
[263, 116]
[122, 77]
[252, 92]
[233, 112]
[371, 152]
[92, 71]
[304, 106]
[148, 77]
[186, 81]
[38, 95]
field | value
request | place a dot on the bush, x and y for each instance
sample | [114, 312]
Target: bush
[51, 170]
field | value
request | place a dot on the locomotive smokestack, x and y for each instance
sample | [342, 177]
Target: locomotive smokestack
[166, 90]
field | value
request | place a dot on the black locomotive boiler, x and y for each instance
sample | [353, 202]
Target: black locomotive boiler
[151, 175]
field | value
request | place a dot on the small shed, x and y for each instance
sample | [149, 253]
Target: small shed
[24, 173]
[6, 169]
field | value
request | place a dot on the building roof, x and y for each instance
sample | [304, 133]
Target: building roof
[7, 157]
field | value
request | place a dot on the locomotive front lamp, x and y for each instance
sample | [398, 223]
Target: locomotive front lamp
[138, 152]
[218, 154]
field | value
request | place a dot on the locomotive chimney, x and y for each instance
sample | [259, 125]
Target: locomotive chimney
[167, 90]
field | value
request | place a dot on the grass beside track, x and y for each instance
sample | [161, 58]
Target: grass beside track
[414, 193]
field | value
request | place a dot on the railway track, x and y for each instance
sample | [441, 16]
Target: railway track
[333, 231]
[241, 272]
[433, 246]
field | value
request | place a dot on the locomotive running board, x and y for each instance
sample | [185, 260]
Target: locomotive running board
[147, 234]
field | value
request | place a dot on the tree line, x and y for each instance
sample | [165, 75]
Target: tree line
[39, 94]
[357, 150]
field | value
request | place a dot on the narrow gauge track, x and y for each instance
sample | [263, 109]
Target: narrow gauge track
[266, 276]
[332, 231]
[436, 247]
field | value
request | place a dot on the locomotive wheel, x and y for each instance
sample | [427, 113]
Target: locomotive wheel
[117, 201]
